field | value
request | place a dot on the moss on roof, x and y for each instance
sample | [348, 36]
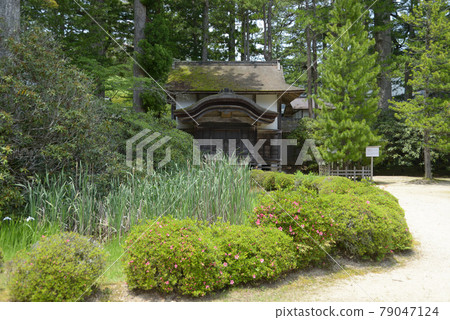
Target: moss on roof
[239, 77]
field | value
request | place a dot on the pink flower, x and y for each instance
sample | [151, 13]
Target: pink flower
[254, 276]
[320, 233]
[167, 282]
[257, 222]
[147, 263]
[296, 218]
[43, 236]
[225, 264]
[236, 256]
[302, 226]
[322, 216]
[298, 210]
[171, 247]
[176, 266]
[280, 228]
[207, 287]
[262, 260]
[231, 282]
[203, 250]
[368, 202]
[290, 229]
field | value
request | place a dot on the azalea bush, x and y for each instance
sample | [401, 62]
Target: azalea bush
[299, 214]
[194, 258]
[334, 213]
[62, 267]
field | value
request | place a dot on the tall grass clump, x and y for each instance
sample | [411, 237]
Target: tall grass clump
[214, 190]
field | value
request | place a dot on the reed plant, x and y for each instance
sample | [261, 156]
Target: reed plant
[219, 189]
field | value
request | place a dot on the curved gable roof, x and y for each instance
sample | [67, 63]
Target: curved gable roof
[226, 102]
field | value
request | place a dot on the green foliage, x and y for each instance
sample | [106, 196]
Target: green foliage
[349, 93]
[271, 180]
[429, 59]
[55, 120]
[10, 196]
[125, 123]
[298, 214]
[356, 218]
[89, 48]
[62, 267]
[193, 258]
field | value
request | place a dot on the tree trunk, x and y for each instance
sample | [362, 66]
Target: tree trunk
[383, 44]
[205, 28]
[232, 39]
[427, 155]
[140, 15]
[308, 66]
[315, 73]
[247, 37]
[9, 22]
[269, 30]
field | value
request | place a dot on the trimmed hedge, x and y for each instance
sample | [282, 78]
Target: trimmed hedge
[62, 267]
[193, 258]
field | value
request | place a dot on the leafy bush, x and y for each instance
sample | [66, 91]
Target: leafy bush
[193, 258]
[298, 214]
[10, 196]
[365, 228]
[56, 120]
[61, 267]
[271, 180]
[355, 217]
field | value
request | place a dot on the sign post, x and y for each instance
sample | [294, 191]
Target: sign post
[372, 151]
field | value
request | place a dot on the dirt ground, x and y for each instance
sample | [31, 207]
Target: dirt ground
[420, 275]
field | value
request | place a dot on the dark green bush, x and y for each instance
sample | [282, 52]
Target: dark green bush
[62, 267]
[193, 258]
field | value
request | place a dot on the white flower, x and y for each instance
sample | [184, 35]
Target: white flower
[30, 219]
[6, 218]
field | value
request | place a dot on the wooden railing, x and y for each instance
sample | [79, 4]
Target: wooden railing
[352, 173]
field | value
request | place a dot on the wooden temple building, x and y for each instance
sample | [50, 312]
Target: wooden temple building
[235, 100]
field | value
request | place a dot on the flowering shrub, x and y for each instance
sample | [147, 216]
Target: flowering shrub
[299, 214]
[193, 258]
[336, 213]
[367, 228]
[58, 268]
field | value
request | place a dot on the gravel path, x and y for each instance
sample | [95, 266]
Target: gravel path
[423, 277]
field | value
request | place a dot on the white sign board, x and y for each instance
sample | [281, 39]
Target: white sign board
[373, 151]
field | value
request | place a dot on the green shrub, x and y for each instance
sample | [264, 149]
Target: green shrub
[193, 258]
[366, 229]
[62, 267]
[271, 180]
[356, 218]
[298, 214]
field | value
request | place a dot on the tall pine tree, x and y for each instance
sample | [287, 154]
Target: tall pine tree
[429, 60]
[349, 92]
